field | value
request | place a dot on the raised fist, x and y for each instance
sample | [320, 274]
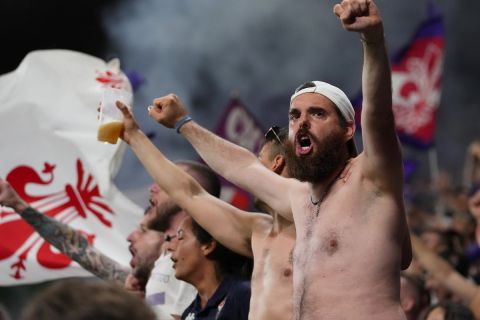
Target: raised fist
[167, 110]
[360, 16]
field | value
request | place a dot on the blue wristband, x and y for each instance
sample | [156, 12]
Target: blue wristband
[181, 122]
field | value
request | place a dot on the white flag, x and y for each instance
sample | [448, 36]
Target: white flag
[51, 157]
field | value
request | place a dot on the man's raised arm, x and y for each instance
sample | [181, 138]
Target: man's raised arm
[231, 161]
[380, 143]
[66, 239]
[229, 225]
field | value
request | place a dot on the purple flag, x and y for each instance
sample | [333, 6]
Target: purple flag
[416, 81]
[239, 126]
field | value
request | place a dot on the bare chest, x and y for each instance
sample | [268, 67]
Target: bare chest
[329, 228]
[273, 255]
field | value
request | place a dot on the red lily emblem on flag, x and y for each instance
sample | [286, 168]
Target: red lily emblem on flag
[110, 78]
[417, 89]
[73, 202]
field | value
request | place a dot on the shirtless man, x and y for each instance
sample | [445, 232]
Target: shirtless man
[352, 237]
[269, 239]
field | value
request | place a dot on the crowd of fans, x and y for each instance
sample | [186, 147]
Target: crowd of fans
[323, 250]
[445, 234]
[442, 281]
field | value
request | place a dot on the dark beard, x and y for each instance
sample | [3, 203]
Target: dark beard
[142, 273]
[319, 165]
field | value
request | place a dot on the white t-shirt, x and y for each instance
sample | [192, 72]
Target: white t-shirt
[165, 294]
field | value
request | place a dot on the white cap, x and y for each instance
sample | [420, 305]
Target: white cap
[337, 96]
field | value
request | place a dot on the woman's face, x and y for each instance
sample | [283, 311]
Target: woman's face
[188, 254]
[436, 314]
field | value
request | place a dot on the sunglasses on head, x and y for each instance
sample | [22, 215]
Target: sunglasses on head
[272, 134]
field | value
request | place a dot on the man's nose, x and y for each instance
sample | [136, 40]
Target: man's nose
[304, 123]
[131, 237]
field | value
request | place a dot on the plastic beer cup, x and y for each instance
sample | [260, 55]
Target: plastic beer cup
[111, 118]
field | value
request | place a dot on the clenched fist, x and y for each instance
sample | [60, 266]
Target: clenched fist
[361, 16]
[167, 110]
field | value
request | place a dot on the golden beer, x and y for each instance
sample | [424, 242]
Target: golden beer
[110, 131]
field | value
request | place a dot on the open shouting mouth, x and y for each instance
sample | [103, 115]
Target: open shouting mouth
[303, 144]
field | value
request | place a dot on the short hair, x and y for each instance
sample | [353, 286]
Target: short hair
[86, 299]
[164, 215]
[204, 176]
[207, 179]
[276, 137]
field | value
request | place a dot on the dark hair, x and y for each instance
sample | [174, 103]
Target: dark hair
[453, 311]
[164, 214]
[227, 261]
[204, 176]
[276, 137]
[85, 300]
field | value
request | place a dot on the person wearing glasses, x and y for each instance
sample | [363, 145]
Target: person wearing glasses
[269, 239]
[352, 236]
[167, 295]
[216, 272]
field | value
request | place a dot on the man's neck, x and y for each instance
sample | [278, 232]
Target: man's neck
[321, 189]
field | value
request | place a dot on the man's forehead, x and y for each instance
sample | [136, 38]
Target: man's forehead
[310, 99]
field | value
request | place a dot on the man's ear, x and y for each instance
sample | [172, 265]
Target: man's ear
[208, 247]
[349, 130]
[278, 164]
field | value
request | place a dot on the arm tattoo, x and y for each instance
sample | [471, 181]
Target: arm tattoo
[73, 244]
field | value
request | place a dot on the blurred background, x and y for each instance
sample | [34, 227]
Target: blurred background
[260, 51]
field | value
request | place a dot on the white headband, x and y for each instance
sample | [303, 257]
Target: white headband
[337, 96]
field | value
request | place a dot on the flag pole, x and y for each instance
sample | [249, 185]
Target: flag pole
[434, 177]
